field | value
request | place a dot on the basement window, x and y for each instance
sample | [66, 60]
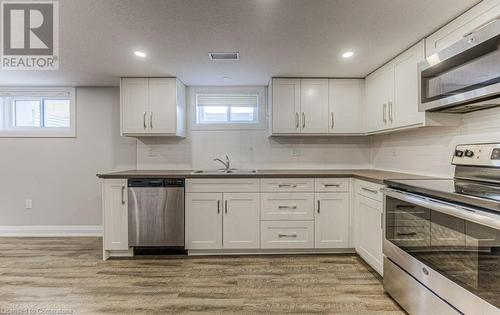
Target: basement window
[231, 108]
[227, 108]
[37, 112]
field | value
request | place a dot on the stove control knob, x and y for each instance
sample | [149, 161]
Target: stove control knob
[459, 153]
[469, 153]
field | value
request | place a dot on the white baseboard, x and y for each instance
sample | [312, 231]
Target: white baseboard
[50, 230]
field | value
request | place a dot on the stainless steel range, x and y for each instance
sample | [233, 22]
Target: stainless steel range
[442, 237]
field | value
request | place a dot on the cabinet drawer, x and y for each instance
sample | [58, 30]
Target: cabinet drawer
[222, 185]
[331, 184]
[369, 190]
[287, 184]
[287, 206]
[287, 234]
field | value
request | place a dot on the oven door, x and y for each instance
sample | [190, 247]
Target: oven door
[452, 250]
[464, 77]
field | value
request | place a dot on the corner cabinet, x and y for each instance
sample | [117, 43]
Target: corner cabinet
[315, 106]
[392, 96]
[152, 107]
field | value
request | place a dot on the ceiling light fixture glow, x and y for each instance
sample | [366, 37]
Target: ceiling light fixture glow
[348, 54]
[140, 54]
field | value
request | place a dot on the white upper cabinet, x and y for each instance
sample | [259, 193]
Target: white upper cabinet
[134, 105]
[403, 111]
[392, 96]
[314, 105]
[472, 20]
[162, 106]
[377, 98]
[152, 107]
[346, 97]
[285, 106]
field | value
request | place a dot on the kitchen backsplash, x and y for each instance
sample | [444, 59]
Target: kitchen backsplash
[429, 151]
[252, 149]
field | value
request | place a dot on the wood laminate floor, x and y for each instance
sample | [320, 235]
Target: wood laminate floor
[67, 276]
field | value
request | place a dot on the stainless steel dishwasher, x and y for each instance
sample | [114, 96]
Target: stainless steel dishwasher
[156, 212]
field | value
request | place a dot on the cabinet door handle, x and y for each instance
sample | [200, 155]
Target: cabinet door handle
[218, 206]
[373, 191]
[319, 206]
[225, 206]
[123, 195]
[287, 235]
[287, 207]
[384, 109]
[144, 120]
[151, 120]
[331, 185]
[390, 111]
[303, 120]
[382, 221]
[296, 120]
[333, 120]
[287, 185]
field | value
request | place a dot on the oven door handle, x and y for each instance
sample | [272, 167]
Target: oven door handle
[484, 218]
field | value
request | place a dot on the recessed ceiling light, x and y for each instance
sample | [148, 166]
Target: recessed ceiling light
[140, 54]
[348, 54]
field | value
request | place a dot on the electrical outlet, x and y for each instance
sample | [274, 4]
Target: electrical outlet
[296, 152]
[29, 204]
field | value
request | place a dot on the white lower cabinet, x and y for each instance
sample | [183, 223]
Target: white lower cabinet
[241, 221]
[222, 221]
[331, 224]
[280, 213]
[287, 206]
[287, 234]
[369, 225]
[115, 214]
[203, 215]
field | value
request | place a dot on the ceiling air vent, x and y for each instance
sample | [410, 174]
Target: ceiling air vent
[224, 55]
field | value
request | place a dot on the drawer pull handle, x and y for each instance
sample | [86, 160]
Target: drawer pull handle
[287, 207]
[287, 235]
[287, 185]
[407, 234]
[373, 191]
[331, 185]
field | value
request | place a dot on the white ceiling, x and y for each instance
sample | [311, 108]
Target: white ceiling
[274, 38]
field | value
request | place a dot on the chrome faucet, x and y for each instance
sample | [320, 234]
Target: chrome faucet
[227, 165]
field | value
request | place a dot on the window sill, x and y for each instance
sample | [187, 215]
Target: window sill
[38, 134]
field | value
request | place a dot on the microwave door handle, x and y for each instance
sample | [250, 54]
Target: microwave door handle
[491, 220]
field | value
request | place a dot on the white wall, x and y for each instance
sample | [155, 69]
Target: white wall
[428, 151]
[250, 149]
[58, 174]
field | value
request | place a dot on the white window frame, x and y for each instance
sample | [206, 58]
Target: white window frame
[261, 91]
[10, 131]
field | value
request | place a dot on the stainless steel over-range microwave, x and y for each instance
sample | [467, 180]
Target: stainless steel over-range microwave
[465, 76]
